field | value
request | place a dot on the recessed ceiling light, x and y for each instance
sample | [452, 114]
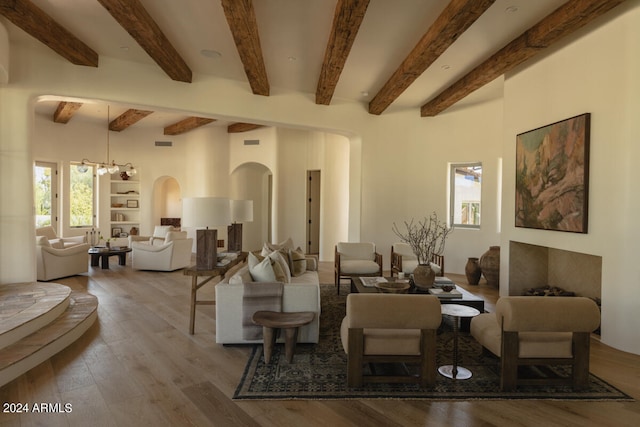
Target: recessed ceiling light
[209, 53]
[292, 58]
[512, 9]
[445, 66]
[364, 93]
[124, 48]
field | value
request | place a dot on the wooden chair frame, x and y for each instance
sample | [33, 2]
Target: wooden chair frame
[396, 262]
[356, 360]
[510, 361]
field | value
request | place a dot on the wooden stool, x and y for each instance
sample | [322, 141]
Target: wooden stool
[271, 321]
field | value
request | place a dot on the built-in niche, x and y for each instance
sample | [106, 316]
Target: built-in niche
[533, 266]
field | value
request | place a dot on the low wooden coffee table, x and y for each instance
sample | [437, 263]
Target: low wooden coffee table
[103, 254]
[271, 321]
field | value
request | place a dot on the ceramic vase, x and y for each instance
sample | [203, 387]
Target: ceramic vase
[124, 176]
[490, 266]
[424, 276]
[472, 271]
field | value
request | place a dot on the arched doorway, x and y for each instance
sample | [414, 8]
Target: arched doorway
[167, 201]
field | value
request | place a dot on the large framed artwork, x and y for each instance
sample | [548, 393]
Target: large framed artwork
[552, 176]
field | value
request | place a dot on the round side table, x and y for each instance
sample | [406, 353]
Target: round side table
[271, 321]
[456, 311]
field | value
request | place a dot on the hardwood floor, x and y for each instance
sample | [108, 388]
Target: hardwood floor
[138, 365]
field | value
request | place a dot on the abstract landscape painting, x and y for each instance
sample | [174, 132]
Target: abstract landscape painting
[552, 176]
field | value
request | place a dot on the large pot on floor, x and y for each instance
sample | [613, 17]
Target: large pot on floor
[490, 266]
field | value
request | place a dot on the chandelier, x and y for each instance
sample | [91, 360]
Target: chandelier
[104, 167]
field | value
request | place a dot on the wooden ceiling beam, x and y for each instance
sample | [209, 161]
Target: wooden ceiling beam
[454, 20]
[244, 27]
[65, 111]
[187, 125]
[563, 21]
[347, 18]
[134, 18]
[127, 119]
[33, 20]
[242, 127]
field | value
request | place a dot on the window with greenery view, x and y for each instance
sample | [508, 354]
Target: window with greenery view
[466, 193]
[81, 197]
[45, 193]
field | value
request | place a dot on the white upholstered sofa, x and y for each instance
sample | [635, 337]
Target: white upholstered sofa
[302, 293]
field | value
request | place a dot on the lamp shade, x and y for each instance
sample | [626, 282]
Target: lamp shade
[241, 210]
[205, 211]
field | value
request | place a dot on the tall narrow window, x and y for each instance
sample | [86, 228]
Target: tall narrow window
[46, 194]
[81, 197]
[466, 194]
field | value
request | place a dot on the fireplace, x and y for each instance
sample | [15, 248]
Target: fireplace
[533, 266]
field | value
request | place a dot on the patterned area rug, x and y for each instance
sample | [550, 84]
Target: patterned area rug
[319, 371]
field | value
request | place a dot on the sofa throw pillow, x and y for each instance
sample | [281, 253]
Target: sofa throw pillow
[261, 270]
[298, 262]
[241, 276]
[283, 264]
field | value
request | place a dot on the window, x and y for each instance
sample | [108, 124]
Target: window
[466, 186]
[46, 194]
[81, 196]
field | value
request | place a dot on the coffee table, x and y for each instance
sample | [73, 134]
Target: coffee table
[466, 298]
[102, 254]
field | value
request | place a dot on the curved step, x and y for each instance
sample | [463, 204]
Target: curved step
[27, 307]
[34, 349]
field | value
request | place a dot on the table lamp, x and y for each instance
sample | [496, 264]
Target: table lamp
[206, 212]
[241, 211]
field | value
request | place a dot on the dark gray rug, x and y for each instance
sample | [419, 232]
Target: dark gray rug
[319, 371]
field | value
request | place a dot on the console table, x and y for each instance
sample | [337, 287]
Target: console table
[208, 275]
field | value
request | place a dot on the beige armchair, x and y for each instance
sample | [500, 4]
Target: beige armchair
[355, 260]
[528, 330]
[50, 233]
[391, 328]
[54, 261]
[168, 254]
[404, 260]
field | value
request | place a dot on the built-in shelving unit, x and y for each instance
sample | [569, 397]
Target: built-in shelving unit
[124, 208]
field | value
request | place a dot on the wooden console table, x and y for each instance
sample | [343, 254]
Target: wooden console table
[208, 274]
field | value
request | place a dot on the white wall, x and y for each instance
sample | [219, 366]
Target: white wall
[597, 73]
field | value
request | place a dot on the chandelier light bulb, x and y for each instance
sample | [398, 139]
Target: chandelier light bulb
[82, 167]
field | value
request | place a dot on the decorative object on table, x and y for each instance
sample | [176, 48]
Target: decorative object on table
[241, 211]
[552, 176]
[490, 266]
[473, 271]
[426, 238]
[206, 212]
[110, 167]
[93, 237]
[396, 287]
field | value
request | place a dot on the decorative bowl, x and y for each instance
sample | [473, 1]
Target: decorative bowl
[393, 287]
[117, 205]
[448, 288]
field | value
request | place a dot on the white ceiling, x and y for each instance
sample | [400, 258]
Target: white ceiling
[293, 35]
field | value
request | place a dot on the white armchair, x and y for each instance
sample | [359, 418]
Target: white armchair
[55, 261]
[50, 233]
[168, 254]
[356, 259]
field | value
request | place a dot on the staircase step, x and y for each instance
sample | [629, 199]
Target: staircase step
[39, 346]
[27, 307]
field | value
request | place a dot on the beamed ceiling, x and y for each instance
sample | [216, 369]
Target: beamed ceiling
[389, 55]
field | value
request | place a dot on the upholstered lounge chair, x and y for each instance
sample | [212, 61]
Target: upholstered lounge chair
[168, 254]
[50, 233]
[529, 330]
[391, 328]
[355, 260]
[55, 262]
[404, 260]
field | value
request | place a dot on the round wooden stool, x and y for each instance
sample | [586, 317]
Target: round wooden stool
[271, 321]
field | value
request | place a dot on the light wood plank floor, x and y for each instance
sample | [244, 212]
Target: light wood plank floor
[139, 366]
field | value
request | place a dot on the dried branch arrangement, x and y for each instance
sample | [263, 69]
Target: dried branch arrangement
[426, 237]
